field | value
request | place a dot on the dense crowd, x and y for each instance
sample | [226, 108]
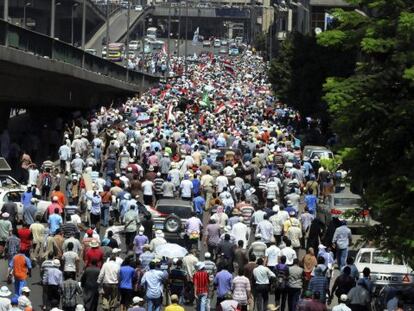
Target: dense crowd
[216, 138]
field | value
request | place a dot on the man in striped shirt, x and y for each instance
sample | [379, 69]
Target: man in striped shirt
[201, 283]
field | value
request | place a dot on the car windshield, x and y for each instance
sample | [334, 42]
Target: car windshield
[347, 202]
[180, 211]
[322, 154]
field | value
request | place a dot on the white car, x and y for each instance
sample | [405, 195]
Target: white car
[15, 195]
[138, 8]
[217, 43]
[386, 269]
[134, 45]
[206, 43]
[223, 42]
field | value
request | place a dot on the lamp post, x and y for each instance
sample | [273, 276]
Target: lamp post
[6, 10]
[127, 39]
[74, 6]
[53, 17]
[186, 31]
[83, 23]
[24, 13]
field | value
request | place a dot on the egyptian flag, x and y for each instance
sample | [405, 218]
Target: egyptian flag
[220, 108]
[232, 104]
[202, 119]
[163, 93]
[229, 68]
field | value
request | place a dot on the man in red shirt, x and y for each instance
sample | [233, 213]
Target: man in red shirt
[25, 236]
[201, 281]
[94, 252]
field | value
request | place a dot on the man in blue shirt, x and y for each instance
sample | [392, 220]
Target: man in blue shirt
[222, 281]
[153, 281]
[55, 221]
[311, 202]
[199, 204]
[342, 238]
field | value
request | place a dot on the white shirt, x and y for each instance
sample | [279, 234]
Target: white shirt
[5, 304]
[341, 307]
[262, 275]
[147, 187]
[240, 232]
[64, 153]
[109, 273]
[265, 227]
[33, 175]
[186, 187]
[221, 182]
[272, 253]
[289, 253]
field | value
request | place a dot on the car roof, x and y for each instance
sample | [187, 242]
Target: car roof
[174, 202]
[316, 147]
[345, 194]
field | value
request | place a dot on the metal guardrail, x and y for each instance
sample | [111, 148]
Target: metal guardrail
[41, 45]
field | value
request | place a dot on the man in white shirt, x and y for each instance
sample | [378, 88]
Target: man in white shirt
[148, 191]
[65, 154]
[265, 228]
[262, 276]
[342, 304]
[272, 255]
[186, 187]
[289, 253]
[241, 232]
[221, 182]
[109, 278]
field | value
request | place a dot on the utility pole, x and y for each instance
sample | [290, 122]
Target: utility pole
[271, 42]
[127, 39]
[107, 28]
[6, 10]
[169, 38]
[52, 18]
[185, 37]
[179, 31]
[83, 23]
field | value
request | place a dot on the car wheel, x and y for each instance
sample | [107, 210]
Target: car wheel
[172, 224]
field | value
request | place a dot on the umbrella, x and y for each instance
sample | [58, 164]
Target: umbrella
[171, 250]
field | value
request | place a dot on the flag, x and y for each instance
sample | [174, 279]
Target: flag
[220, 108]
[163, 94]
[229, 68]
[205, 101]
[232, 104]
[328, 20]
[195, 37]
[202, 119]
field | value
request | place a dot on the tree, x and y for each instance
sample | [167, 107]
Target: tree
[373, 112]
[301, 68]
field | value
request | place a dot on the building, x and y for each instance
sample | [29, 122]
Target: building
[319, 12]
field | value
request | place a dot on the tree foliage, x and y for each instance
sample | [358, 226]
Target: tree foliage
[373, 112]
[301, 68]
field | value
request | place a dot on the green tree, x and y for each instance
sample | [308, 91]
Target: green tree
[301, 68]
[373, 112]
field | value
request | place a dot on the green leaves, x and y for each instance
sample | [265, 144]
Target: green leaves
[372, 112]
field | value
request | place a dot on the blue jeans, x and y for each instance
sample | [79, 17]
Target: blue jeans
[18, 285]
[341, 256]
[105, 215]
[202, 302]
[154, 304]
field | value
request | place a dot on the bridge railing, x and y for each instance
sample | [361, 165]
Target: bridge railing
[43, 46]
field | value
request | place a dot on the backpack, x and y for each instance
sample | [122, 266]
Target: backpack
[47, 180]
[281, 279]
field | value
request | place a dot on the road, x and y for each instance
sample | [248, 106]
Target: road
[117, 28]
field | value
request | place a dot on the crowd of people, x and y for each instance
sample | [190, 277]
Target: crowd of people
[216, 138]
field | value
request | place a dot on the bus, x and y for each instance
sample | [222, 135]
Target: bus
[152, 33]
[115, 52]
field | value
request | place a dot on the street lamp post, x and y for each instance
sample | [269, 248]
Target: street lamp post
[127, 39]
[185, 37]
[83, 23]
[53, 17]
[169, 38]
[24, 13]
[107, 28]
[72, 26]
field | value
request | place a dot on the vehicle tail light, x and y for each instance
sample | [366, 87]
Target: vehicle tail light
[335, 211]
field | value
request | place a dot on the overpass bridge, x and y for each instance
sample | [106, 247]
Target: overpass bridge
[38, 71]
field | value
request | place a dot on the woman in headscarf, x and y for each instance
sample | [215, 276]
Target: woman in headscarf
[309, 263]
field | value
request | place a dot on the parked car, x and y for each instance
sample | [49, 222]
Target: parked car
[170, 215]
[347, 205]
[134, 45]
[224, 42]
[138, 8]
[319, 151]
[386, 269]
[15, 195]
[8, 182]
